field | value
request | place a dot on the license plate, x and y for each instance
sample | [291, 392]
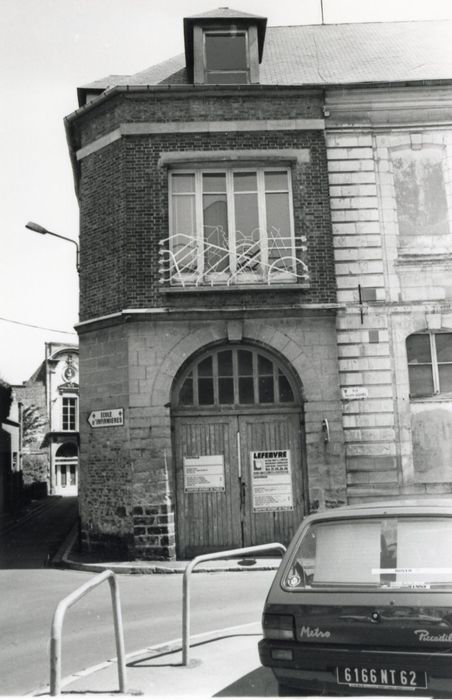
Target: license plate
[359, 677]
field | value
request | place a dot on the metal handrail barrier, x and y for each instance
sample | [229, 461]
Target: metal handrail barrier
[57, 626]
[186, 584]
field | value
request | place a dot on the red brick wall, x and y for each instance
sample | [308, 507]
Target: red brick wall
[126, 493]
[103, 234]
[196, 105]
[124, 200]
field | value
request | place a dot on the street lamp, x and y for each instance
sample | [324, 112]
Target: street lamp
[40, 229]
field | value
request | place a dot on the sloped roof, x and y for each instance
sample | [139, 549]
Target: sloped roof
[334, 54]
[39, 375]
[102, 83]
[350, 53]
[225, 13]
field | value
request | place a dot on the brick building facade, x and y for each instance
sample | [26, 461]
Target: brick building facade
[224, 195]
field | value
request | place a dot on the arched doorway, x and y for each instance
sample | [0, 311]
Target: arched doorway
[66, 469]
[239, 450]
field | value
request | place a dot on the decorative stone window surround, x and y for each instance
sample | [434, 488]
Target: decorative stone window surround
[387, 146]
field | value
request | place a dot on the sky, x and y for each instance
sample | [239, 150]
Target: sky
[47, 49]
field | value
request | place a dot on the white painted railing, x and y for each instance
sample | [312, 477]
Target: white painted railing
[268, 258]
[228, 554]
[57, 628]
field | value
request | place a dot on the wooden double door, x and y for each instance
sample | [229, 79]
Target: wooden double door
[229, 508]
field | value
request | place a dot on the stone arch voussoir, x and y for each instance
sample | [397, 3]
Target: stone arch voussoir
[191, 343]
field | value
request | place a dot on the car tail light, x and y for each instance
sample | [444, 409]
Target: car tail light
[278, 626]
[282, 654]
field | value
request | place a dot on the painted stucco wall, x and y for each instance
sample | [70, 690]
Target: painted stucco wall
[63, 361]
[404, 282]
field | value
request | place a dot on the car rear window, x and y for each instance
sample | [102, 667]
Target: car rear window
[399, 552]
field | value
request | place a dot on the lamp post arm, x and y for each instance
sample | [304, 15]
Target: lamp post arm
[71, 240]
[40, 229]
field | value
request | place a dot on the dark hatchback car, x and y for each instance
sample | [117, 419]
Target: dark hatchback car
[362, 602]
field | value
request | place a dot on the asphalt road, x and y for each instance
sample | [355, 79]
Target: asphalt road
[151, 608]
[151, 604]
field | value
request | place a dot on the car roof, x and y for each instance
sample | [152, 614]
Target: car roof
[404, 506]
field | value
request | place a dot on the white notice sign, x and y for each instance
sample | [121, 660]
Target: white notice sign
[203, 474]
[272, 480]
[107, 418]
[351, 393]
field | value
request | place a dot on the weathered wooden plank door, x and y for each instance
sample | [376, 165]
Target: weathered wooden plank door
[227, 402]
[207, 521]
[271, 432]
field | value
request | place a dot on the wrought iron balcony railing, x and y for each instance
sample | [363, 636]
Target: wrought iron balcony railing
[187, 261]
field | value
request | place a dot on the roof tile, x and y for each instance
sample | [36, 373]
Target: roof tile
[224, 13]
[337, 54]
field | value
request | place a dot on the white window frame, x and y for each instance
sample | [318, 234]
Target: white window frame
[65, 464]
[226, 32]
[75, 399]
[434, 364]
[245, 277]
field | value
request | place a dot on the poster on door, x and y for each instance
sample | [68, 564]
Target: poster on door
[204, 474]
[271, 481]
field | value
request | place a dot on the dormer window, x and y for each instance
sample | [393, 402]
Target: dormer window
[224, 47]
[226, 58]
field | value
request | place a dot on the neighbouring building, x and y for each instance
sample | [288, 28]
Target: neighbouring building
[265, 323]
[390, 170]
[50, 422]
[11, 491]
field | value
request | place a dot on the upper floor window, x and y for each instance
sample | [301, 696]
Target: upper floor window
[421, 198]
[429, 363]
[69, 413]
[231, 227]
[224, 47]
[226, 57]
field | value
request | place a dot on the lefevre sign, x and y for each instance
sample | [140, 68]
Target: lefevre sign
[271, 480]
[107, 418]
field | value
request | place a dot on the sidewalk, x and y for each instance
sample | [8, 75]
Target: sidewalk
[223, 663]
[31, 537]
[68, 557]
